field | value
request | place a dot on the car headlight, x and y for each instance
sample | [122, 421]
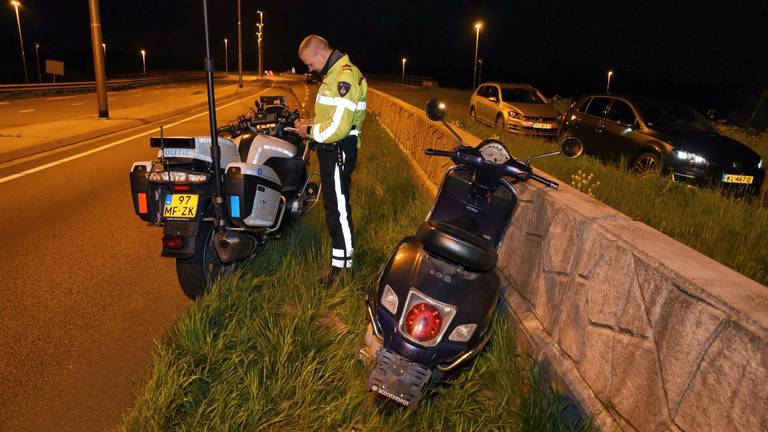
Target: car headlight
[515, 115]
[691, 157]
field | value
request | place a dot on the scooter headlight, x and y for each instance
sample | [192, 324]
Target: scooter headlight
[389, 299]
[462, 333]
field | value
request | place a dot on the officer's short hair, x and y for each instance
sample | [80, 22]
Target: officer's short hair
[314, 41]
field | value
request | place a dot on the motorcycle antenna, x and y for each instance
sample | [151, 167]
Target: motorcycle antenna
[218, 200]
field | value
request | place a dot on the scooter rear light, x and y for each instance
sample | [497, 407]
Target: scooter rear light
[423, 322]
[389, 299]
[172, 242]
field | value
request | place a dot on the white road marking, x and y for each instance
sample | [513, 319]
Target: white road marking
[106, 146]
[4, 103]
[112, 99]
[26, 111]
[78, 103]
[59, 97]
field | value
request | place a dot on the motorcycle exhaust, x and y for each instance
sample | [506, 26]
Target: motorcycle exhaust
[235, 246]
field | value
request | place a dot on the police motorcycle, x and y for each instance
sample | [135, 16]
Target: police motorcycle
[265, 185]
[431, 307]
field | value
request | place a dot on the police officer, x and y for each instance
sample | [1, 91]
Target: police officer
[336, 128]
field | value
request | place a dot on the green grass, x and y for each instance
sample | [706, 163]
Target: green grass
[731, 231]
[269, 349]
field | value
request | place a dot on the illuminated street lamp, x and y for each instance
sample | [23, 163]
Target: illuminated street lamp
[404, 60]
[16, 5]
[608, 84]
[478, 26]
[37, 58]
[144, 61]
[226, 56]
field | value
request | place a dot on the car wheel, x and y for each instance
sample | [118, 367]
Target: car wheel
[646, 164]
[472, 114]
[499, 123]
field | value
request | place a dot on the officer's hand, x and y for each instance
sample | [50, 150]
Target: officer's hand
[301, 127]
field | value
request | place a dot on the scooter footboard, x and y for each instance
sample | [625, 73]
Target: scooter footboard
[399, 379]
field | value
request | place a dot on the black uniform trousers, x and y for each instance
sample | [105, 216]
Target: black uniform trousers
[337, 161]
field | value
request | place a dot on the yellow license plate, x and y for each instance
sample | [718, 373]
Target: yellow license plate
[542, 126]
[180, 206]
[736, 178]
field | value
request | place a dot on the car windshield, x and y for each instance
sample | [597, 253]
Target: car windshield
[674, 116]
[521, 95]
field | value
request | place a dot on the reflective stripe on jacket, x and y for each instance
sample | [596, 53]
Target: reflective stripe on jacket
[340, 104]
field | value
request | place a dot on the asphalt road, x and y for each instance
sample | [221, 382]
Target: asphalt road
[84, 291]
[16, 112]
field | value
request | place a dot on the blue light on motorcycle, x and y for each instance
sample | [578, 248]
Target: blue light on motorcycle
[234, 206]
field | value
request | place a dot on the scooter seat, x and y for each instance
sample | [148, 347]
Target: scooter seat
[457, 245]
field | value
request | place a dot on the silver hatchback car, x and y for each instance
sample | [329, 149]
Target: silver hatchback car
[519, 108]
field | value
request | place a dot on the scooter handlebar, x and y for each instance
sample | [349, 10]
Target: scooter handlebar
[436, 152]
[545, 181]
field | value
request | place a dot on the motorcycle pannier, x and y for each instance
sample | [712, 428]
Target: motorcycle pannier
[252, 194]
[146, 196]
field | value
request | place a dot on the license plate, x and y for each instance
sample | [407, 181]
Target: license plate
[736, 178]
[542, 126]
[180, 206]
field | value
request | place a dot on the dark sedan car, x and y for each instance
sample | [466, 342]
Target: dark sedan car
[661, 136]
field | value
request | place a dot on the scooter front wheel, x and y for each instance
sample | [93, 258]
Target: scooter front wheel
[197, 272]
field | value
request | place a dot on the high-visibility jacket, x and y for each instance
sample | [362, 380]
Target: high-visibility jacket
[340, 102]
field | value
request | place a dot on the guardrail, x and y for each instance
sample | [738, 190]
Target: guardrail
[417, 80]
[11, 90]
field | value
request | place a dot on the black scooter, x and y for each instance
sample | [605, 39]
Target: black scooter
[432, 306]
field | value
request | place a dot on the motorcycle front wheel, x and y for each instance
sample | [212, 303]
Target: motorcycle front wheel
[197, 272]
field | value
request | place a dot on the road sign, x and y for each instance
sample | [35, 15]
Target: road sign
[54, 67]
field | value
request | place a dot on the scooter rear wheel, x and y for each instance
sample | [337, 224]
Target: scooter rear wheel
[197, 272]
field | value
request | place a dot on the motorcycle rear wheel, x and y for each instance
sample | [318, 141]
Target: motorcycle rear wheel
[197, 272]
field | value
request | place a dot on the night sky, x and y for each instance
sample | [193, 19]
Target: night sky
[711, 56]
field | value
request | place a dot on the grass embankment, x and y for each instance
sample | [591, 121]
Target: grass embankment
[733, 232]
[269, 349]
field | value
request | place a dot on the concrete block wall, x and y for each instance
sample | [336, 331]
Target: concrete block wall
[642, 331]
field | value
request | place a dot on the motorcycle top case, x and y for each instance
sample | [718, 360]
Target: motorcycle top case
[253, 194]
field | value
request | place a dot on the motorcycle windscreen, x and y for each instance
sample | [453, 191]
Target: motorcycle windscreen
[456, 201]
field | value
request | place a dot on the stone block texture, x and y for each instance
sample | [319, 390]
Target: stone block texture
[657, 335]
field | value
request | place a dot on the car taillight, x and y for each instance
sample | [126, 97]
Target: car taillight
[423, 322]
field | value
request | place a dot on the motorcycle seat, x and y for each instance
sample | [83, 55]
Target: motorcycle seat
[458, 245]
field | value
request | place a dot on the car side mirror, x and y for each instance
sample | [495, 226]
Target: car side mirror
[435, 109]
[493, 99]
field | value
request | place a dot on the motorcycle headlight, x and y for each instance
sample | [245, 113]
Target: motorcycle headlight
[692, 158]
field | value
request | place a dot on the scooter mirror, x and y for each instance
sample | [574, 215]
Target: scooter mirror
[571, 148]
[435, 110]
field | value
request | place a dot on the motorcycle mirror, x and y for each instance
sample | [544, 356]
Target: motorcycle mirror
[571, 148]
[435, 109]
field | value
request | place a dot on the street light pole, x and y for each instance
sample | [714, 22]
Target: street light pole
[480, 71]
[404, 60]
[98, 58]
[261, 36]
[239, 46]
[608, 84]
[226, 56]
[16, 5]
[478, 26]
[144, 61]
[37, 60]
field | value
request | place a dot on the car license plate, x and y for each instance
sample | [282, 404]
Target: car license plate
[737, 178]
[542, 126]
[180, 206]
